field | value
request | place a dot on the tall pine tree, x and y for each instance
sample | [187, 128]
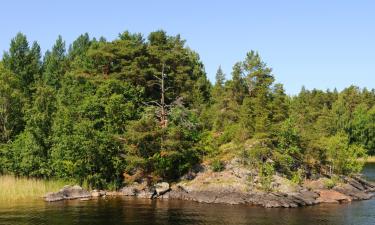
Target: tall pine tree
[23, 62]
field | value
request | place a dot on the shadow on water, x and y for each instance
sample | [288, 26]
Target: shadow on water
[147, 212]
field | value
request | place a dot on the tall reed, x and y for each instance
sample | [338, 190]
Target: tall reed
[20, 188]
[368, 159]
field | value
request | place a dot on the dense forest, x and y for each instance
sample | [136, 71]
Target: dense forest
[105, 113]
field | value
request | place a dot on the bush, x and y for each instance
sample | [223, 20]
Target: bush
[230, 132]
[266, 176]
[342, 156]
[217, 165]
[332, 182]
[283, 163]
[208, 144]
[297, 176]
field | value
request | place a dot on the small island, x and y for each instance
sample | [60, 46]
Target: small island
[234, 186]
[137, 116]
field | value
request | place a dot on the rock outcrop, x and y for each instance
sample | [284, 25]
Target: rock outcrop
[132, 190]
[237, 185]
[332, 196]
[67, 193]
[161, 188]
[142, 190]
[97, 193]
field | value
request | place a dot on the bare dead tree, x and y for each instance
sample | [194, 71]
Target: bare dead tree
[163, 116]
[163, 108]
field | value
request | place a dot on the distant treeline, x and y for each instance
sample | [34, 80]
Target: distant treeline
[108, 112]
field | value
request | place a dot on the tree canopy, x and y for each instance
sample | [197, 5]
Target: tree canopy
[105, 113]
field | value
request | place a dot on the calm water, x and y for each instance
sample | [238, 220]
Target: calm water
[142, 212]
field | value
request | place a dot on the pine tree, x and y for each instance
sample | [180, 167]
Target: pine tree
[23, 61]
[238, 86]
[54, 64]
[259, 79]
[77, 57]
[279, 105]
[220, 77]
[11, 104]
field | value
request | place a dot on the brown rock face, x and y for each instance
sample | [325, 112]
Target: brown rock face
[316, 184]
[332, 196]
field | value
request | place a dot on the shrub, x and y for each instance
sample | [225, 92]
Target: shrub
[217, 165]
[332, 182]
[297, 176]
[342, 155]
[266, 176]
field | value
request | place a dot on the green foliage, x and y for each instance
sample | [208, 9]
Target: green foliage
[332, 182]
[297, 176]
[362, 127]
[54, 65]
[260, 150]
[178, 151]
[85, 131]
[209, 144]
[288, 155]
[217, 165]
[167, 152]
[28, 156]
[258, 79]
[220, 77]
[279, 105]
[23, 61]
[266, 172]
[31, 149]
[92, 114]
[11, 106]
[142, 142]
[342, 156]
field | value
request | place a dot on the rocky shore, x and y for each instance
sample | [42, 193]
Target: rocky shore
[233, 186]
[68, 193]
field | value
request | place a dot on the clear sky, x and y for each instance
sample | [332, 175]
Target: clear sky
[320, 44]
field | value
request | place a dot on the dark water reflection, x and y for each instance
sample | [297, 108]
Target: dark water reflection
[142, 212]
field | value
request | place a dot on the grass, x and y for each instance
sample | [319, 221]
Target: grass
[19, 188]
[369, 159]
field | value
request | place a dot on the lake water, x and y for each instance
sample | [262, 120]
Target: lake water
[142, 212]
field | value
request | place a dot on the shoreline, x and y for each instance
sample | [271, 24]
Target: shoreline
[337, 195]
[352, 190]
[232, 186]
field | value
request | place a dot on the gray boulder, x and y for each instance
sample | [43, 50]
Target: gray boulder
[66, 193]
[353, 192]
[54, 196]
[97, 193]
[131, 190]
[141, 190]
[162, 188]
[147, 193]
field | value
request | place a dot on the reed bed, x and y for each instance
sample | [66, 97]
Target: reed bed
[19, 188]
[369, 159]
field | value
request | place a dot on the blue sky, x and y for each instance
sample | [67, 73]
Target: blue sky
[320, 44]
